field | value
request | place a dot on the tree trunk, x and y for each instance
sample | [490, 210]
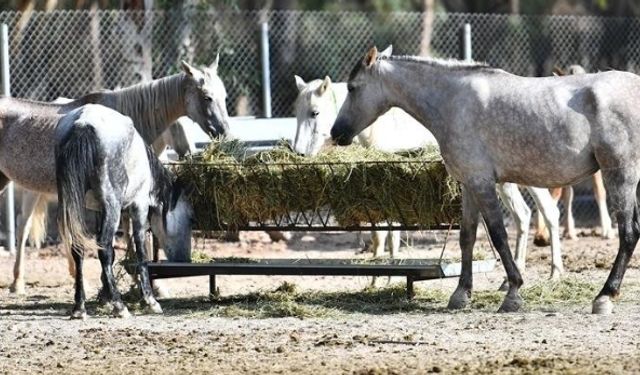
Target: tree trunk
[137, 26]
[428, 8]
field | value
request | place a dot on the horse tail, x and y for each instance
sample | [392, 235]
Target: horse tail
[38, 232]
[77, 158]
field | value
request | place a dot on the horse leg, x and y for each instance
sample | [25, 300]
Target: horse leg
[110, 220]
[79, 311]
[621, 187]
[160, 289]
[468, 229]
[29, 200]
[512, 198]
[541, 238]
[483, 191]
[548, 209]
[393, 242]
[601, 198]
[139, 216]
[569, 223]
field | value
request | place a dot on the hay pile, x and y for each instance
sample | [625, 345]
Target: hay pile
[360, 185]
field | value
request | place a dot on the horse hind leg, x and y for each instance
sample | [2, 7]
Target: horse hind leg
[541, 237]
[110, 220]
[551, 214]
[569, 223]
[621, 185]
[79, 311]
[139, 215]
[601, 199]
[25, 219]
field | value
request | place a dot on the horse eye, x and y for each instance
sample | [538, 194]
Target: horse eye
[314, 114]
[350, 88]
[208, 99]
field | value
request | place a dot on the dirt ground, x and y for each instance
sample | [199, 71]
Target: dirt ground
[235, 335]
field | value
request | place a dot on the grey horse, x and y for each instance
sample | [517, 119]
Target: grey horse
[494, 127]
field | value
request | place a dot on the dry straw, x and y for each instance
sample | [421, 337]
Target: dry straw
[359, 185]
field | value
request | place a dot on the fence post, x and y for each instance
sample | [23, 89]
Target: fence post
[6, 91]
[466, 42]
[266, 75]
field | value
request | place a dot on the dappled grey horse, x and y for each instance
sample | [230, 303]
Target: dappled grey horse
[317, 108]
[493, 126]
[154, 106]
[103, 163]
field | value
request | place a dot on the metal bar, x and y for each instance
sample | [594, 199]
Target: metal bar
[266, 73]
[6, 91]
[213, 292]
[329, 228]
[410, 291]
[466, 42]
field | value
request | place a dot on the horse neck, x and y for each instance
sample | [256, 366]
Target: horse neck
[421, 90]
[153, 106]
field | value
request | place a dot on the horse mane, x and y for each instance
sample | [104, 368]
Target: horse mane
[163, 182]
[449, 64]
[151, 105]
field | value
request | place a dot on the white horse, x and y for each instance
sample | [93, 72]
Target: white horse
[317, 107]
[154, 107]
[103, 163]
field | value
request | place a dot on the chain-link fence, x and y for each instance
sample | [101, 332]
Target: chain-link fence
[70, 53]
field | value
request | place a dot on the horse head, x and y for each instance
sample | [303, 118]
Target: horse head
[205, 98]
[365, 101]
[316, 109]
[172, 224]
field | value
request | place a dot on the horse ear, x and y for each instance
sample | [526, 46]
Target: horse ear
[300, 83]
[387, 51]
[190, 70]
[557, 71]
[370, 57]
[214, 66]
[326, 83]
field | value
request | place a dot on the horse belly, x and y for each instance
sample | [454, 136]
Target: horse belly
[30, 162]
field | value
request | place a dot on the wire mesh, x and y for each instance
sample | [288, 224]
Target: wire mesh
[70, 53]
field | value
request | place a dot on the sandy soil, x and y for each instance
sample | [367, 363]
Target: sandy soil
[37, 335]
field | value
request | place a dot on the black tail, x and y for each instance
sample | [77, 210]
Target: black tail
[77, 157]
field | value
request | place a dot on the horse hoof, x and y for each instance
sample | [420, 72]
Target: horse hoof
[18, 288]
[161, 291]
[571, 236]
[78, 314]
[504, 287]
[511, 304]
[608, 235]
[602, 306]
[458, 300]
[154, 308]
[541, 241]
[122, 312]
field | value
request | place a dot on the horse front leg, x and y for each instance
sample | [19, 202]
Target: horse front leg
[25, 220]
[621, 187]
[483, 191]
[601, 198]
[468, 231]
[548, 209]
[139, 218]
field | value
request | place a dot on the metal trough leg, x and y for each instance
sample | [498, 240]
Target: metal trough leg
[213, 292]
[410, 291]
